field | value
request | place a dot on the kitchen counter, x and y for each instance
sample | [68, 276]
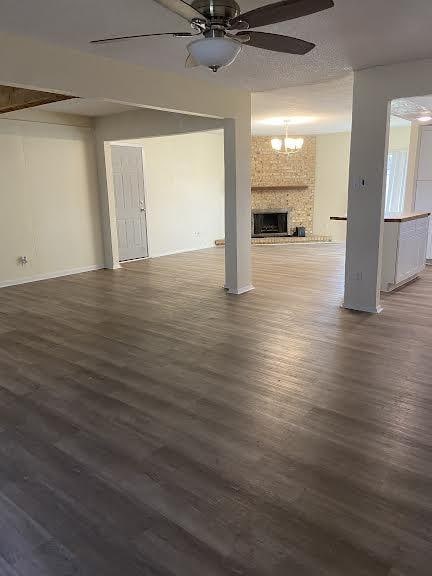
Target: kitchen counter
[397, 217]
[404, 247]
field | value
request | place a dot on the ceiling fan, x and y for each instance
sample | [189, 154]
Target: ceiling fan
[215, 20]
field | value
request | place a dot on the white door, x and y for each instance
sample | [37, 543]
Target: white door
[127, 165]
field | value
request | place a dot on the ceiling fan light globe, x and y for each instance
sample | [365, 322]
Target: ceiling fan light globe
[214, 52]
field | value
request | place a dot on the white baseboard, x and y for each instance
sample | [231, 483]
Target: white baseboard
[376, 310]
[239, 291]
[181, 251]
[50, 275]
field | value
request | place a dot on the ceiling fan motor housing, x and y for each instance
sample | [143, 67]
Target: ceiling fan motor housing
[218, 11]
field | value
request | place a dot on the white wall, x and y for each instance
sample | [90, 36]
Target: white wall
[331, 187]
[49, 198]
[40, 65]
[399, 137]
[332, 175]
[184, 191]
[141, 126]
[412, 167]
[184, 178]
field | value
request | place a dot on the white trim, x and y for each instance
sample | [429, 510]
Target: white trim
[50, 275]
[146, 202]
[392, 287]
[183, 250]
[376, 310]
[133, 260]
[239, 291]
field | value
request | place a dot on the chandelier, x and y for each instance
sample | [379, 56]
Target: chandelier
[287, 145]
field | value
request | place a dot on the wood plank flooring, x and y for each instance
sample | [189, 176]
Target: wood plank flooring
[151, 424]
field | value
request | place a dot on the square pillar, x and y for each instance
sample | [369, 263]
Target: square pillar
[238, 267]
[107, 203]
[366, 197]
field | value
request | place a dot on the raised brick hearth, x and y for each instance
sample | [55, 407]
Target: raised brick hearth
[284, 240]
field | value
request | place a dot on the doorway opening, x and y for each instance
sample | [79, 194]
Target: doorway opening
[130, 201]
[169, 193]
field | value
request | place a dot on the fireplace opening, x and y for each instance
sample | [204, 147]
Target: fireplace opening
[269, 223]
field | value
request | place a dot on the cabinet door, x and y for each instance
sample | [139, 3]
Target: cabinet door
[424, 239]
[404, 260]
[407, 251]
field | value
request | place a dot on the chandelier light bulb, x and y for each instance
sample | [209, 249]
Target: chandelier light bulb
[287, 145]
[276, 144]
[294, 143]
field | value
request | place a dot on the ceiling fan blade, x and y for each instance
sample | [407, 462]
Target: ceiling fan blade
[275, 42]
[242, 38]
[175, 34]
[279, 12]
[181, 8]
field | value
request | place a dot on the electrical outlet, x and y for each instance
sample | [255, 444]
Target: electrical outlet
[356, 276]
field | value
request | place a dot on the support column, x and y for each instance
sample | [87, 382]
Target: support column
[107, 203]
[238, 268]
[366, 197]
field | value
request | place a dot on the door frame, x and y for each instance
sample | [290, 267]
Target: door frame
[113, 218]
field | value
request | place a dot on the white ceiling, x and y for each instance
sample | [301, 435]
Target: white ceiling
[355, 34]
[314, 108]
[412, 108]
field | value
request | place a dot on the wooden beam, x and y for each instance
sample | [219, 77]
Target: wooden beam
[12, 99]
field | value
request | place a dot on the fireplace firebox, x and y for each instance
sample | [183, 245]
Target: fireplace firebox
[269, 223]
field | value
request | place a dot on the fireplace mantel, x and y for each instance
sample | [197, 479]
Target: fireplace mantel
[279, 188]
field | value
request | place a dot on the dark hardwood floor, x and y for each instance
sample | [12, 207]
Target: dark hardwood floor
[151, 424]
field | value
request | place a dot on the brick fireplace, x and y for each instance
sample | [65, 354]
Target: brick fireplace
[284, 183]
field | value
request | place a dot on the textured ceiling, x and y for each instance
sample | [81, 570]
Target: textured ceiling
[87, 107]
[412, 108]
[355, 34]
[314, 108]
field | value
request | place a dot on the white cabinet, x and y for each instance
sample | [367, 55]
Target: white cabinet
[423, 202]
[404, 251]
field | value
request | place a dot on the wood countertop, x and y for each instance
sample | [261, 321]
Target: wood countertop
[402, 217]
